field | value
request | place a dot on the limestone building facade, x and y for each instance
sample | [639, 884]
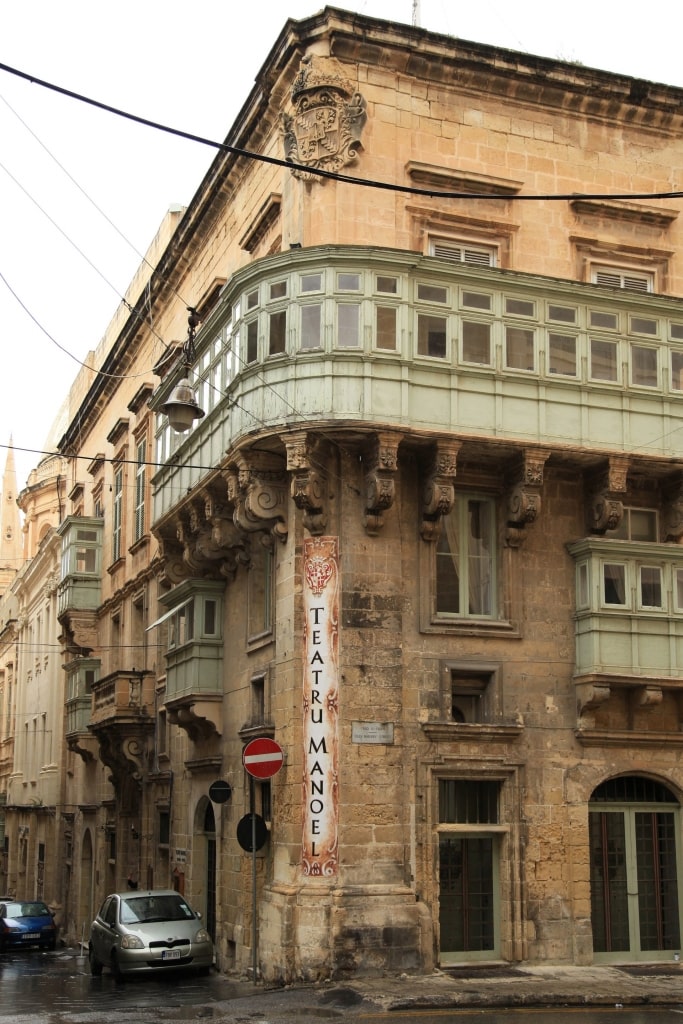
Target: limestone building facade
[423, 530]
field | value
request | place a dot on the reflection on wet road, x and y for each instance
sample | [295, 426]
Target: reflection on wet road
[31, 981]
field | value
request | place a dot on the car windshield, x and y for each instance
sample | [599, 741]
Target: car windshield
[140, 909]
[27, 910]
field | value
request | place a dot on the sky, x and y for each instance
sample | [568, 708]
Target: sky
[83, 192]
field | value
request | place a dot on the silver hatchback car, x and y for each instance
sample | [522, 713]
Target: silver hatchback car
[148, 931]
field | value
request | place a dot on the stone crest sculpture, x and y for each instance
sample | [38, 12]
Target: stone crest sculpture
[324, 132]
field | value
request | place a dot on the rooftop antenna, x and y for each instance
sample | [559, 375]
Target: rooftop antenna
[416, 13]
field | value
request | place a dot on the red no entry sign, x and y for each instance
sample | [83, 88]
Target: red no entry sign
[262, 758]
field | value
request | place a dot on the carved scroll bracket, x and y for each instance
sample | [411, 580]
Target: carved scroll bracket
[380, 459]
[605, 506]
[306, 461]
[438, 490]
[524, 494]
[202, 541]
[257, 487]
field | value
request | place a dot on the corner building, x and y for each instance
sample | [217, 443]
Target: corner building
[427, 534]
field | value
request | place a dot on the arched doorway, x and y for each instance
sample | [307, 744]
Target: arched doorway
[205, 859]
[85, 901]
[635, 865]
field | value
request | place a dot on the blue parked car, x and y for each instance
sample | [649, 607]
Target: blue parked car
[26, 923]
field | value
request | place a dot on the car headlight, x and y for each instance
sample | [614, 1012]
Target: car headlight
[132, 942]
[202, 936]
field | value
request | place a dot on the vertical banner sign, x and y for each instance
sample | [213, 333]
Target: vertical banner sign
[321, 707]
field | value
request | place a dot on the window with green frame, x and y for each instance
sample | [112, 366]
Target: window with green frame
[465, 559]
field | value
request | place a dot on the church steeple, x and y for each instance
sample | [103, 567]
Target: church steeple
[11, 538]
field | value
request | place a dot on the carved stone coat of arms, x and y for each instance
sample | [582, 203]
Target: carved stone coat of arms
[325, 129]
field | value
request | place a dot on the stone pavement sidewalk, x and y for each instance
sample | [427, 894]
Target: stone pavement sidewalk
[512, 985]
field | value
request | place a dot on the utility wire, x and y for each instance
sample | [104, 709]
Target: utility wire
[320, 172]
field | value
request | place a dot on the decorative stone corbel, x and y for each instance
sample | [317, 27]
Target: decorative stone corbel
[257, 487]
[380, 459]
[524, 494]
[306, 464]
[226, 539]
[647, 697]
[606, 509]
[171, 553]
[438, 489]
[590, 696]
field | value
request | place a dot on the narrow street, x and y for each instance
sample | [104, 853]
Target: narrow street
[57, 988]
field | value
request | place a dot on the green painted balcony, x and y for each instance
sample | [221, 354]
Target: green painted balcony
[386, 339]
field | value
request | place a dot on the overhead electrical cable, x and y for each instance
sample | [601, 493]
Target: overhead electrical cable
[320, 172]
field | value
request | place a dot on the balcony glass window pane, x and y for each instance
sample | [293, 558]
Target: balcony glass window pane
[389, 285]
[520, 307]
[476, 300]
[385, 326]
[679, 590]
[348, 325]
[348, 282]
[278, 289]
[277, 332]
[310, 326]
[606, 320]
[582, 593]
[432, 293]
[431, 336]
[603, 360]
[643, 325]
[476, 343]
[209, 617]
[562, 355]
[252, 341]
[677, 371]
[519, 348]
[614, 583]
[650, 586]
[86, 560]
[677, 331]
[644, 366]
[252, 299]
[563, 314]
[311, 282]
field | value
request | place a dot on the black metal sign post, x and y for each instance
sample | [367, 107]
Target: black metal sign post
[262, 758]
[252, 811]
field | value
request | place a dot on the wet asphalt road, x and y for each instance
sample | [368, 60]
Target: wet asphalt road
[56, 988]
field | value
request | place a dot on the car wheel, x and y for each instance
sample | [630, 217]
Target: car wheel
[95, 965]
[115, 968]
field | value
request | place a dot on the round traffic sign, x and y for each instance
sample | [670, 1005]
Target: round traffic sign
[262, 757]
[252, 832]
[220, 791]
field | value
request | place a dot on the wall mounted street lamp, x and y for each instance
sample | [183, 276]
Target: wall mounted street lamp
[182, 408]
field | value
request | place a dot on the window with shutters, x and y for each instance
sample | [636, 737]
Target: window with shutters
[464, 252]
[617, 277]
[117, 523]
[140, 482]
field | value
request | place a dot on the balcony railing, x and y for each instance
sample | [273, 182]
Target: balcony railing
[123, 695]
